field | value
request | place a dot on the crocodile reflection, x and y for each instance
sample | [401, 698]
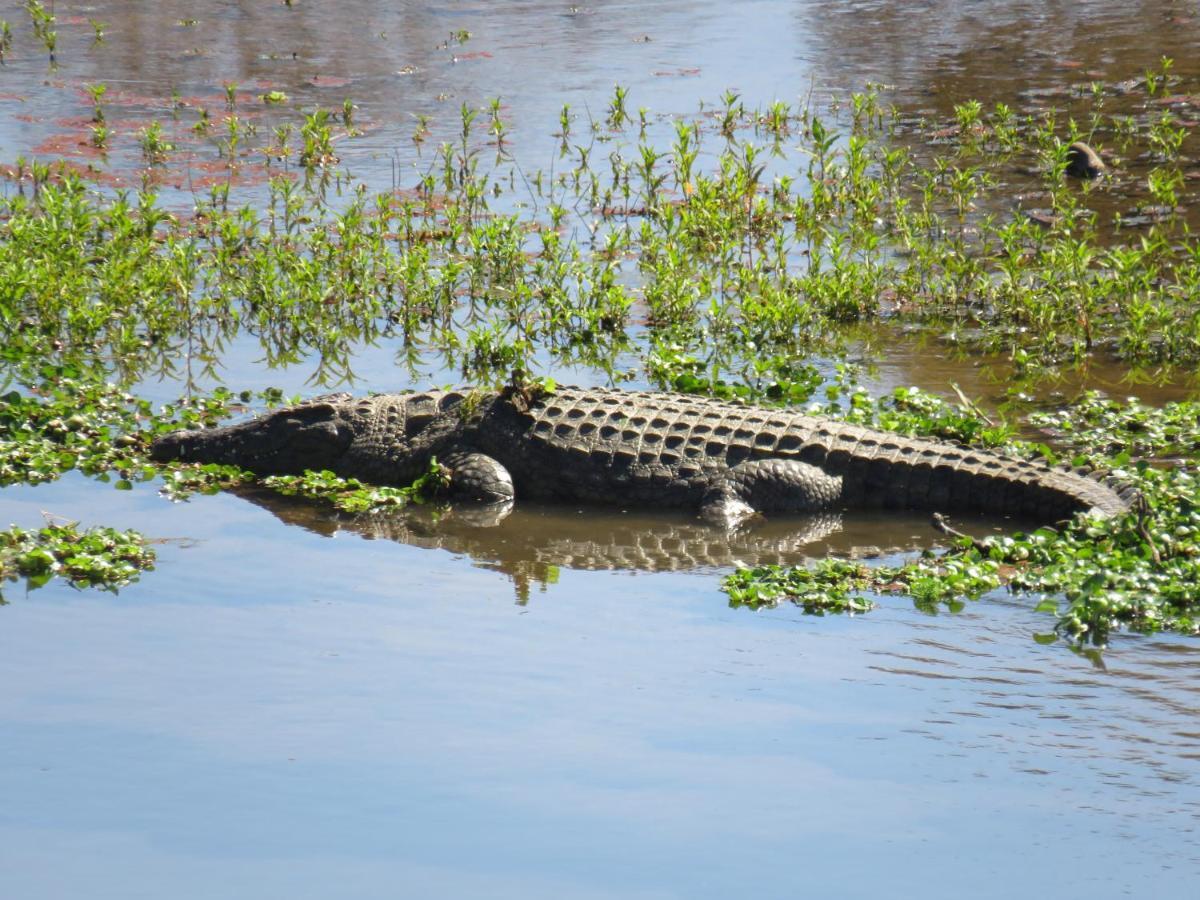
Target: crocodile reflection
[532, 542]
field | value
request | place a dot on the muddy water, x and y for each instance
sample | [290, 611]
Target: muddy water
[563, 705]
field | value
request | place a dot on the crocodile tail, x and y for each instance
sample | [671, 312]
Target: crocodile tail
[880, 469]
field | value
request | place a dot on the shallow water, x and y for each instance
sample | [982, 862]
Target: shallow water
[564, 705]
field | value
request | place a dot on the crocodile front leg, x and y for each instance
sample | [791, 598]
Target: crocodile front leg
[476, 476]
[473, 475]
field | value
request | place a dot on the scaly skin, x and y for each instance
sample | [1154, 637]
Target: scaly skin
[636, 448]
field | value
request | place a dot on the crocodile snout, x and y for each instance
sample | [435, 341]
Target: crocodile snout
[172, 446]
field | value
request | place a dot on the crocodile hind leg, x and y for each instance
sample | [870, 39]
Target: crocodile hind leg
[771, 485]
[785, 485]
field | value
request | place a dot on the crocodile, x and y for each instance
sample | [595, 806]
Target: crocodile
[727, 461]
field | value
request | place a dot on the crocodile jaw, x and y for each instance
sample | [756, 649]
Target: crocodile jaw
[286, 442]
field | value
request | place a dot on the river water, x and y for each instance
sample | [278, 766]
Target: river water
[564, 705]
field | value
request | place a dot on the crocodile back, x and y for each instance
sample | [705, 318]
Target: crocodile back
[588, 443]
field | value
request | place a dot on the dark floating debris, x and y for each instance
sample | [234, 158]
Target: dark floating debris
[1084, 162]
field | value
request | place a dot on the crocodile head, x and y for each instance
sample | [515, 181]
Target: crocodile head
[285, 442]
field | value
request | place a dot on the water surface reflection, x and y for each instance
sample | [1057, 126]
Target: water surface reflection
[531, 542]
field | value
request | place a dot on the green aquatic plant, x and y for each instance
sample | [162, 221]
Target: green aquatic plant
[317, 135]
[497, 129]
[96, 92]
[830, 586]
[57, 418]
[182, 482]
[100, 135]
[1156, 81]
[618, 114]
[155, 146]
[43, 21]
[843, 586]
[94, 557]
[353, 496]
[203, 122]
[71, 424]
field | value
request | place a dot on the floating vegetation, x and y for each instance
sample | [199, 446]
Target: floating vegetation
[353, 496]
[55, 419]
[833, 585]
[93, 557]
[183, 481]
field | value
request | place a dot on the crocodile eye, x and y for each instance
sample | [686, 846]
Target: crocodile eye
[317, 434]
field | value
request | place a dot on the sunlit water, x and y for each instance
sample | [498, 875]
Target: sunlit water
[290, 709]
